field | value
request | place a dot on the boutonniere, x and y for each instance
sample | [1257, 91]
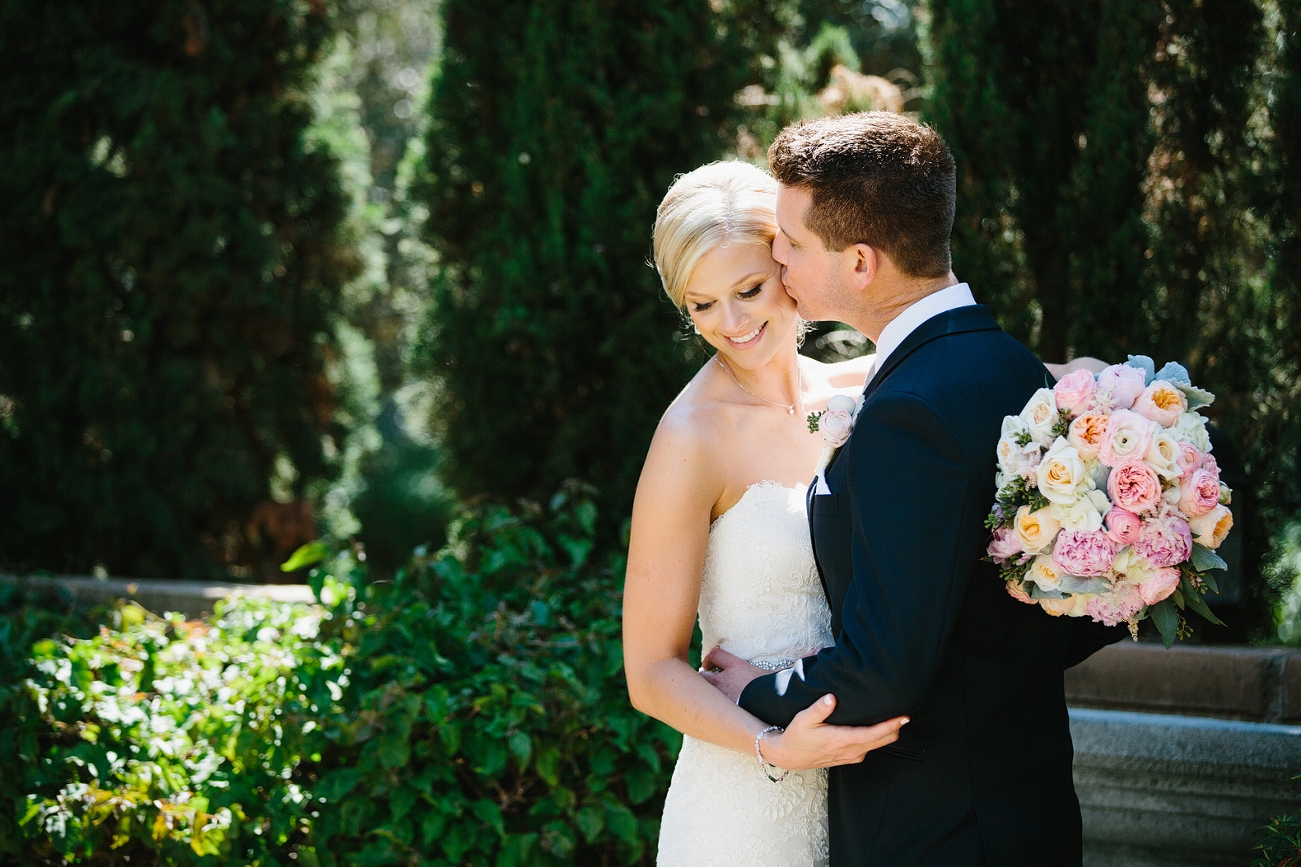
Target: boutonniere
[836, 422]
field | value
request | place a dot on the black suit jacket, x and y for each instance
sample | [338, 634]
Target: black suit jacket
[924, 627]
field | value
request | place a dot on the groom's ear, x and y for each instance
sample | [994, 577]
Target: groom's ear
[863, 262]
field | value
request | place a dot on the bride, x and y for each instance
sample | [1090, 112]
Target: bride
[719, 528]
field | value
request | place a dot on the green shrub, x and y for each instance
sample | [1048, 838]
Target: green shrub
[172, 262]
[555, 128]
[470, 711]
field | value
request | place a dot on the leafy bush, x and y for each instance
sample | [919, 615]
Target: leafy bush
[173, 258]
[555, 128]
[470, 711]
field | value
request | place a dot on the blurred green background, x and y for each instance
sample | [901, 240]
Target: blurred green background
[279, 271]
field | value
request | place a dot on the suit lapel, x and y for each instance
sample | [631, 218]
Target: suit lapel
[974, 317]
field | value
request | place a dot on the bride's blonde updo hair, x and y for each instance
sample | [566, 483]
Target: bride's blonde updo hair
[715, 204]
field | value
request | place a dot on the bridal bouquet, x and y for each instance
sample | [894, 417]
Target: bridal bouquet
[1110, 503]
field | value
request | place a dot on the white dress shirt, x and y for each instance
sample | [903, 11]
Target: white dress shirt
[948, 298]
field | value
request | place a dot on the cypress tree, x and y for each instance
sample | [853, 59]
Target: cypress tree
[171, 250]
[556, 127]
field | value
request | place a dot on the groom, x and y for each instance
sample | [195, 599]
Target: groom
[982, 773]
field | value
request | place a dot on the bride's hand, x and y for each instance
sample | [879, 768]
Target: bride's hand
[808, 742]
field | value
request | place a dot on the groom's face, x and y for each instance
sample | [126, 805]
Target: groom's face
[810, 272]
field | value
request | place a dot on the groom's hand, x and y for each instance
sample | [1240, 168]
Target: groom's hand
[730, 674]
[809, 742]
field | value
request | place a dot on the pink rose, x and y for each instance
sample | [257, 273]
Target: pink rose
[1122, 526]
[1075, 391]
[1160, 585]
[1006, 543]
[1199, 492]
[835, 425]
[1188, 458]
[1134, 486]
[1017, 592]
[1079, 552]
[1122, 603]
[1162, 403]
[1211, 465]
[1212, 527]
[1164, 541]
[1122, 383]
[1128, 437]
[1086, 433]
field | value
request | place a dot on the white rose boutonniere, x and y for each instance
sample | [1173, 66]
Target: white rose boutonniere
[836, 422]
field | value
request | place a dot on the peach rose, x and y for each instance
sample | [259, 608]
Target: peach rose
[1134, 486]
[1045, 573]
[1122, 526]
[1162, 403]
[1036, 529]
[1162, 583]
[1210, 529]
[1086, 433]
[1128, 437]
[1017, 592]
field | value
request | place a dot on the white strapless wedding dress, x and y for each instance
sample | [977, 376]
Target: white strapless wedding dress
[760, 599]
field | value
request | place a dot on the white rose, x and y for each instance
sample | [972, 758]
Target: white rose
[1162, 455]
[1036, 529]
[1062, 474]
[1040, 415]
[1190, 427]
[1086, 513]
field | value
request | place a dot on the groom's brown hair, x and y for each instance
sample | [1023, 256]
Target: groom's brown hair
[875, 178]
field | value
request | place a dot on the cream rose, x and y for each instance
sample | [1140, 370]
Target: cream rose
[1071, 606]
[1040, 415]
[1163, 454]
[1062, 473]
[1045, 573]
[1086, 513]
[1127, 438]
[1162, 403]
[1036, 529]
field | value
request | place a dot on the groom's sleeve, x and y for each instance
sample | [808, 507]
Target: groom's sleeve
[914, 543]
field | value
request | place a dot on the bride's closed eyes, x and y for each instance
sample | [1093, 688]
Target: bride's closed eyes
[752, 292]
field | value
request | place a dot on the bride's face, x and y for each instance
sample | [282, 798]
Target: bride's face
[736, 300]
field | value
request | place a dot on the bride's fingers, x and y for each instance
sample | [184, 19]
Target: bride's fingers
[719, 658]
[816, 713]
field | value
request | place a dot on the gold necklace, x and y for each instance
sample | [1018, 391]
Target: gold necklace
[789, 407]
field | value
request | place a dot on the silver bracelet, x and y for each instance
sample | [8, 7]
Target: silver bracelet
[758, 755]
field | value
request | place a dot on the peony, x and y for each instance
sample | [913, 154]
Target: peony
[1035, 529]
[1211, 528]
[1134, 486]
[1164, 541]
[1040, 415]
[1005, 544]
[1199, 493]
[1162, 403]
[1122, 384]
[1128, 437]
[1122, 526]
[1075, 391]
[1062, 475]
[1083, 553]
[1188, 459]
[1045, 572]
[1162, 583]
[835, 426]
[1122, 603]
[1086, 433]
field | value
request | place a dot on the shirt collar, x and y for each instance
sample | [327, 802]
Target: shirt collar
[949, 298]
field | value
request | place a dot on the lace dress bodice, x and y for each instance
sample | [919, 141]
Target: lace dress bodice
[760, 599]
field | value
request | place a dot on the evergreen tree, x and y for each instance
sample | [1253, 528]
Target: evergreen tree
[556, 128]
[172, 260]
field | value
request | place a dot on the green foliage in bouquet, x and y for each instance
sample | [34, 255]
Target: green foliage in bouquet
[555, 128]
[173, 257]
[470, 711]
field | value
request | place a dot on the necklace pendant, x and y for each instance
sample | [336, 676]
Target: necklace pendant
[790, 411]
